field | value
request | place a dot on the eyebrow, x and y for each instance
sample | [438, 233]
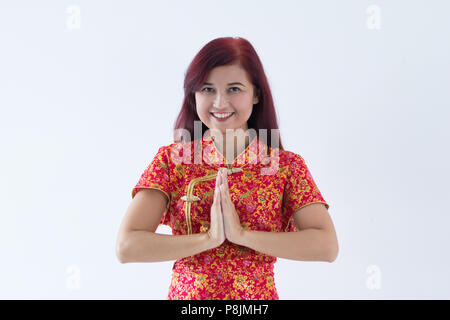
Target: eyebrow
[230, 84]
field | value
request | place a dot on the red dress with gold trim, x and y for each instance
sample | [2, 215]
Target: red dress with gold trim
[266, 191]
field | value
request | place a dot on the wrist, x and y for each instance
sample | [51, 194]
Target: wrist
[210, 242]
[240, 237]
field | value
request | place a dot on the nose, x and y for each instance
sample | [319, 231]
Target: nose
[220, 101]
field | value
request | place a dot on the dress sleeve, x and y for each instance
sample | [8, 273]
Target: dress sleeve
[157, 176]
[300, 190]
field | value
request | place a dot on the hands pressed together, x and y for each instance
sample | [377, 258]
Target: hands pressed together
[225, 223]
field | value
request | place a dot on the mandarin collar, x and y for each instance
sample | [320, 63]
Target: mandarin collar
[250, 155]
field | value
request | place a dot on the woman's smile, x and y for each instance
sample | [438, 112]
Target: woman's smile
[222, 116]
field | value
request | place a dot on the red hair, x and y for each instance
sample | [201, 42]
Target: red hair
[220, 52]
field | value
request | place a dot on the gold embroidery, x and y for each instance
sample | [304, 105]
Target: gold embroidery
[189, 197]
[234, 170]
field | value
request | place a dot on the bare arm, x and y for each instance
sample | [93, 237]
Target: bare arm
[316, 240]
[137, 240]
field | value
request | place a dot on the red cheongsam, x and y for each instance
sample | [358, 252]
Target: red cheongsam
[265, 195]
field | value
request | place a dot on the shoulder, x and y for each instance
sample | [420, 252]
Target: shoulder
[176, 153]
[290, 156]
[174, 148]
[291, 160]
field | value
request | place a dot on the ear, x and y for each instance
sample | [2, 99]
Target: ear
[256, 96]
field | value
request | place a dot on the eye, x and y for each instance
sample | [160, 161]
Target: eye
[205, 89]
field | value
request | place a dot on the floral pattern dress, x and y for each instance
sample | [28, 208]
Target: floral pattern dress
[266, 191]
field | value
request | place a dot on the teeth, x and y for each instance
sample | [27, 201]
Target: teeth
[223, 115]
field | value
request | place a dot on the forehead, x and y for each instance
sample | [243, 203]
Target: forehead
[229, 73]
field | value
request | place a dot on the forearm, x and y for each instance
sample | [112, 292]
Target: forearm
[304, 245]
[145, 246]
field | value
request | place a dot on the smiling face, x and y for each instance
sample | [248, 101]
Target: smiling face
[227, 90]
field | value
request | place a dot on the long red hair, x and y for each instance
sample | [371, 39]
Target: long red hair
[227, 51]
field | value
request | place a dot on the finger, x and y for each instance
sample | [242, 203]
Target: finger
[223, 198]
[217, 181]
[217, 185]
[224, 176]
[217, 189]
[220, 192]
[223, 195]
[225, 181]
[219, 199]
[220, 175]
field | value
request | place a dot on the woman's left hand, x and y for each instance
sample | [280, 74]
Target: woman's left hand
[233, 229]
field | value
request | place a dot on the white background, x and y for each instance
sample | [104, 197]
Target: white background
[84, 110]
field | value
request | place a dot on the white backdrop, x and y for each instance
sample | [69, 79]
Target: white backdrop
[89, 90]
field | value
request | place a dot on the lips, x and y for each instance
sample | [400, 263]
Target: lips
[222, 113]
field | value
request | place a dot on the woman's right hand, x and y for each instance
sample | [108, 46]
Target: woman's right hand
[216, 230]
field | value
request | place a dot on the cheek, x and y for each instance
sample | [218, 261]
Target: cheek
[202, 108]
[244, 109]
[243, 103]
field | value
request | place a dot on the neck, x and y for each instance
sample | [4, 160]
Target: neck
[232, 147]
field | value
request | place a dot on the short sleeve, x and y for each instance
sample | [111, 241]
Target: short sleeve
[300, 190]
[157, 176]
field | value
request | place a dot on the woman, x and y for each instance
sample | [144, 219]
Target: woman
[231, 216]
